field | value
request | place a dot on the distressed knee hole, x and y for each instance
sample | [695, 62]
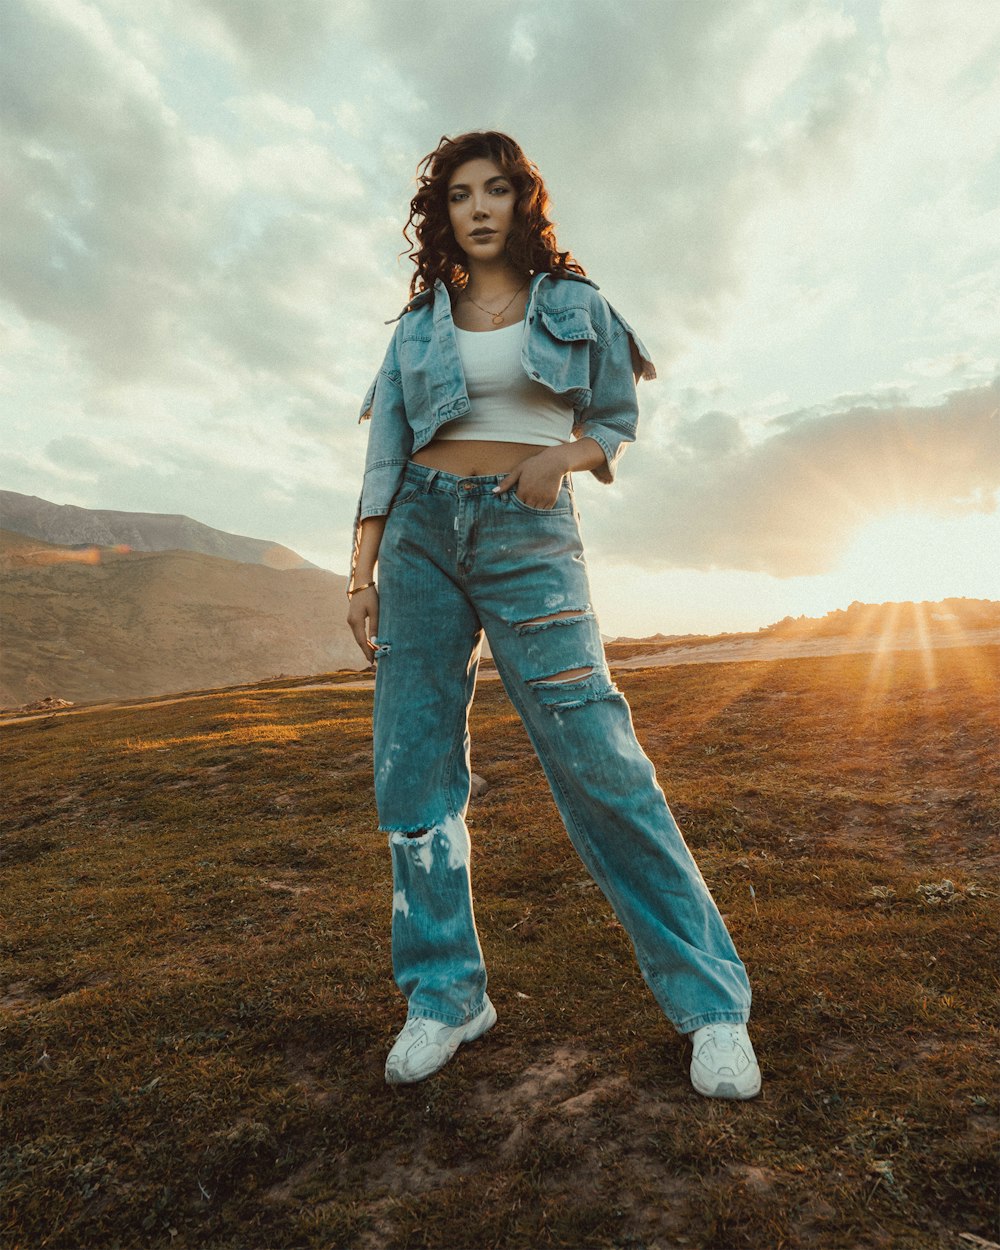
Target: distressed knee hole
[568, 616]
[571, 674]
[573, 688]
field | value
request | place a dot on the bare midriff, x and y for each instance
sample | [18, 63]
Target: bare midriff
[473, 457]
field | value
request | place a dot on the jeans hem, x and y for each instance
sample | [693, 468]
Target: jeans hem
[736, 1016]
[448, 1018]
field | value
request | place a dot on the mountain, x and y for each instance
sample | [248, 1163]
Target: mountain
[66, 525]
[109, 624]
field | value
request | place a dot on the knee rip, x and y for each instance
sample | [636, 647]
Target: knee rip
[570, 675]
[573, 688]
[569, 616]
[444, 843]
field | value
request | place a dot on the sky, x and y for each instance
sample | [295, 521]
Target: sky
[796, 203]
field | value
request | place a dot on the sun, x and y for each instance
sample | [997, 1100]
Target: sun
[917, 557]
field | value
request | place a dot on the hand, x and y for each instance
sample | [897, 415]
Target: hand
[362, 617]
[537, 478]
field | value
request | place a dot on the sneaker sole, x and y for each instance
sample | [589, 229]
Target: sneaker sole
[480, 1025]
[724, 1089]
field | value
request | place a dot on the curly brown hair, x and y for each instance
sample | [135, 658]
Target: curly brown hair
[531, 246]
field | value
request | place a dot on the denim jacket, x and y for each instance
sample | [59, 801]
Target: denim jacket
[574, 343]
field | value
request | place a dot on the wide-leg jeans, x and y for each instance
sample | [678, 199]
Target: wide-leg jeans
[457, 560]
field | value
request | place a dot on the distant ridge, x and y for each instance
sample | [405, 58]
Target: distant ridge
[67, 525]
[859, 620]
[91, 624]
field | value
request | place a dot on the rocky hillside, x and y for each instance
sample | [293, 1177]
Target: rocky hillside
[83, 624]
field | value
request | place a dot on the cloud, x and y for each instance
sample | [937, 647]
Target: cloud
[136, 220]
[789, 201]
[275, 40]
[101, 220]
[640, 117]
[164, 253]
[789, 504]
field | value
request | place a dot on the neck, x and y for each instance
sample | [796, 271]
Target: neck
[492, 280]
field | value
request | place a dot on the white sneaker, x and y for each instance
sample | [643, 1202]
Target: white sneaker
[723, 1063]
[424, 1045]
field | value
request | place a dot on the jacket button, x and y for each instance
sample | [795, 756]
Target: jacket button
[534, 373]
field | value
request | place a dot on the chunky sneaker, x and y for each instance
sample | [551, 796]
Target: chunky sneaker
[424, 1045]
[723, 1064]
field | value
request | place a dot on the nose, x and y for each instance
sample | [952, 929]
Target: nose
[480, 209]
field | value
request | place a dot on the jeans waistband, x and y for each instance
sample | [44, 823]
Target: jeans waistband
[454, 483]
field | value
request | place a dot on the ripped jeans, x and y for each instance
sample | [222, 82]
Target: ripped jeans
[457, 560]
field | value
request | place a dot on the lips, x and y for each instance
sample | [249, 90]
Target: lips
[482, 234]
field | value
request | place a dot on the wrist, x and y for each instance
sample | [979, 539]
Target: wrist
[559, 457]
[580, 454]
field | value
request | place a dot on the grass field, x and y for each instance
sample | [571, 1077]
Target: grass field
[197, 995]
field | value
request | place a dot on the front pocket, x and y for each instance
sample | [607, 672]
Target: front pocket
[563, 504]
[407, 493]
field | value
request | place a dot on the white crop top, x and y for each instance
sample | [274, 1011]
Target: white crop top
[507, 405]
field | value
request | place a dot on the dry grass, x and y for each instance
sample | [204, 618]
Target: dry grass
[199, 998]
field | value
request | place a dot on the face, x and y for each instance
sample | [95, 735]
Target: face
[481, 208]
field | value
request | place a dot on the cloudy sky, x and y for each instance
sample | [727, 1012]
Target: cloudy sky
[795, 202]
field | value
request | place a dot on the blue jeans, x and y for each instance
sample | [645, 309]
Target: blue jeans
[457, 560]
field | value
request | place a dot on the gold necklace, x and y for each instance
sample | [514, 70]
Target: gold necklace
[495, 317]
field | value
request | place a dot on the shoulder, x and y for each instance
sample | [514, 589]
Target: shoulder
[422, 302]
[569, 290]
[572, 292]
[575, 295]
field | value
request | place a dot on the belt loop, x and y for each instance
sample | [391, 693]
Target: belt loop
[430, 479]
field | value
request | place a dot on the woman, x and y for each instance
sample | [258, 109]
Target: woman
[506, 373]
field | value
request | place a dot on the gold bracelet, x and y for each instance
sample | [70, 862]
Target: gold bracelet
[354, 590]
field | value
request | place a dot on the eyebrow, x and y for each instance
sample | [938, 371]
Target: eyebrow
[464, 186]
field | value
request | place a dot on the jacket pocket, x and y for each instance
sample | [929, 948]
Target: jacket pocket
[569, 325]
[559, 353]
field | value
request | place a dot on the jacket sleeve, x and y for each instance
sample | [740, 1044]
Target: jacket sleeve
[618, 361]
[390, 438]
[390, 441]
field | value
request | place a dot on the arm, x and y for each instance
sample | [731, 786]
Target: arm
[618, 362]
[389, 442]
[362, 611]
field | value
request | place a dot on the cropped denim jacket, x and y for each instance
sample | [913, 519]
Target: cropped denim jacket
[573, 342]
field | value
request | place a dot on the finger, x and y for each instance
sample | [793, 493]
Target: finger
[359, 638]
[373, 622]
[509, 481]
